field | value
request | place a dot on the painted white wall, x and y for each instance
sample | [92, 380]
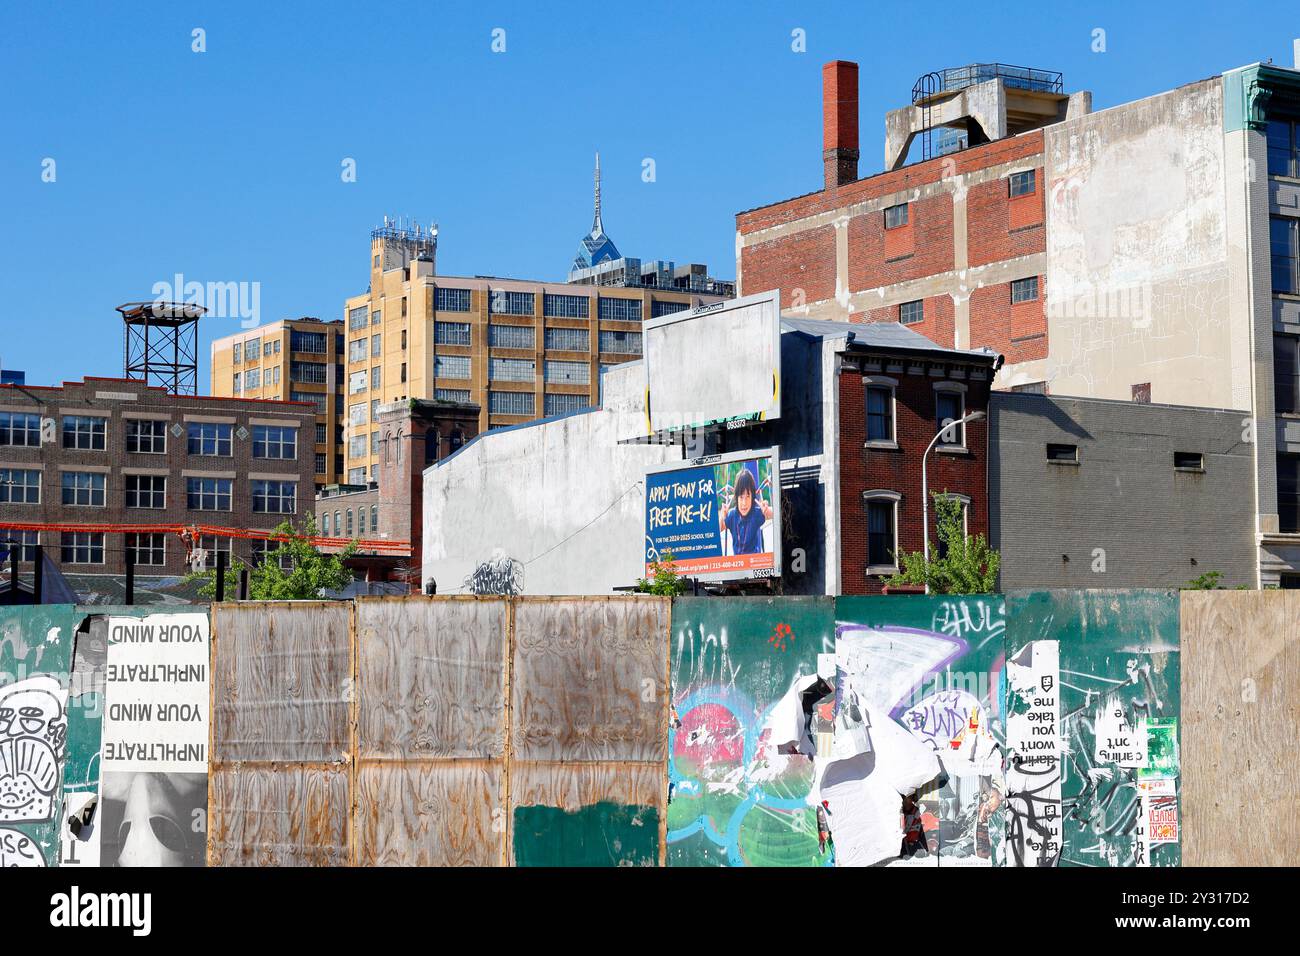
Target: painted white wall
[562, 497]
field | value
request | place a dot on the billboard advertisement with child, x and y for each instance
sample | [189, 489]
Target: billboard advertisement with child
[719, 518]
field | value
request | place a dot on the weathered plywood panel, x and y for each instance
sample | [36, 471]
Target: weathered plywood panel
[588, 681]
[1241, 683]
[431, 677]
[278, 816]
[282, 677]
[431, 813]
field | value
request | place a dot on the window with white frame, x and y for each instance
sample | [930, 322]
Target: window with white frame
[208, 494]
[880, 410]
[150, 549]
[511, 336]
[208, 438]
[357, 350]
[620, 343]
[20, 486]
[358, 318]
[882, 530]
[511, 403]
[275, 497]
[83, 489]
[146, 436]
[376, 375]
[568, 340]
[562, 404]
[20, 430]
[451, 394]
[451, 300]
[22, 542]
[512, 370]
[84, 432]
[502, 302]
[357, 382]
[621, 310]
[145, 491]
[211, 545]
[451, 366]
[376, 345]
[82, 547]
[451, 333]
[253, 379]
[275, 442]
[950, 407]
[566, 306]
[567, 373]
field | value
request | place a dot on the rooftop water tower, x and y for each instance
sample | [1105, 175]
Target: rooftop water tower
[161, 344]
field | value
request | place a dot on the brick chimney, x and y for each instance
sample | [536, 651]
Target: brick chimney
[840, 122]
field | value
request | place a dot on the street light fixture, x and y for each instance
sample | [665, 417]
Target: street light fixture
[925, 492]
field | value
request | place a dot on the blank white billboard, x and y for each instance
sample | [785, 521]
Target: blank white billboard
[718, 364]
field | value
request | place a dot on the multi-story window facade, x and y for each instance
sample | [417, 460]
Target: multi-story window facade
[136, 456]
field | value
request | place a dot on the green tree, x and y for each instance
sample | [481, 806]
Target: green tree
[961, 565]
[1209, 581]
[309, 572]
[664, 578]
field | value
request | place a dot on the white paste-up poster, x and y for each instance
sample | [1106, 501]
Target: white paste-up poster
[1033, 774]
[155, 741]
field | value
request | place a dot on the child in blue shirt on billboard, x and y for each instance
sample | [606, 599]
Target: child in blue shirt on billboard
[746, 517]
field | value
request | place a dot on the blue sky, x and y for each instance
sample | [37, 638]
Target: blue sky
[225, 165]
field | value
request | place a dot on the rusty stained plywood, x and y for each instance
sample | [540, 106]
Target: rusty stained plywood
[588, 679]
[437, 812]
[1241, 698]
[282, 676]
[430, 677]
[431, 719]
[278, 815]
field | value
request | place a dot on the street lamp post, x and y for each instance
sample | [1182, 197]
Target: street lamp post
[925, 492]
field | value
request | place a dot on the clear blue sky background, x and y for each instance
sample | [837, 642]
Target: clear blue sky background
[225, 165]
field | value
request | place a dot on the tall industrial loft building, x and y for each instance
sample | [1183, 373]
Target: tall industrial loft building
[296, 360]
[1148, 252]
[519, 349]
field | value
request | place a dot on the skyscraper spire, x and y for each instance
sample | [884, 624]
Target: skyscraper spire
[596, 247]
[596, 227]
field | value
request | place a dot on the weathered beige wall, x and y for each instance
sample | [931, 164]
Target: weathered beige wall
[1137, 251]
[1241, 701]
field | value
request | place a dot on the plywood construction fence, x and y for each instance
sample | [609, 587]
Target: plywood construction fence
[440, 731]
[280, 782]
[1241, 682]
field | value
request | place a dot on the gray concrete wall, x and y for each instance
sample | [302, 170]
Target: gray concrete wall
[1124, 516]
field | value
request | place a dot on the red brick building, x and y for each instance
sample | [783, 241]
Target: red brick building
[954, 247]
[893, 402]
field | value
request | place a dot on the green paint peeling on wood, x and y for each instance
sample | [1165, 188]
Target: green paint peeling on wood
[602, 834]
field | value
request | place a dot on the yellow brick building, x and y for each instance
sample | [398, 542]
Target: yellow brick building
[519, 349]
[292, 360]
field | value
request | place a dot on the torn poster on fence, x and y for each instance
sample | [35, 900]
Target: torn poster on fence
[1033, 776]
